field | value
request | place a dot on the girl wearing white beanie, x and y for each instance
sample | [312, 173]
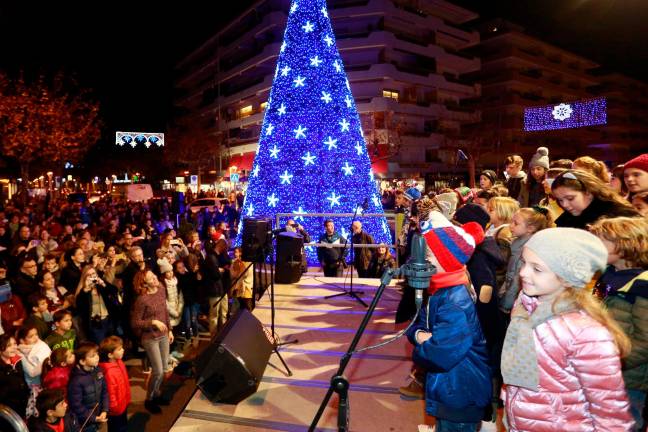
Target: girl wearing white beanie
[561, 358]
[532, 191]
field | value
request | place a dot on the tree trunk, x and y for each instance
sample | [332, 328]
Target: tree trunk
[23, 193]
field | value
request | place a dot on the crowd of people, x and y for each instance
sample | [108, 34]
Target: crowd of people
[538, 303]
[82, 285]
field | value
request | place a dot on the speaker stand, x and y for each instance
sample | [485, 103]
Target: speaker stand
[275, 338]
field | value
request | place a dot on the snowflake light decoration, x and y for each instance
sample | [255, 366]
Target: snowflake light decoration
[562, 112]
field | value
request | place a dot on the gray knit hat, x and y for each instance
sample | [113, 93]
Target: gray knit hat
[540, 158]
[573, 254]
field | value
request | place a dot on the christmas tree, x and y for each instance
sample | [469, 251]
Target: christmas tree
[312, 156]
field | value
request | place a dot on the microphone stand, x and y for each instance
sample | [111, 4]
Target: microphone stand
[350, 293]
[419, 272]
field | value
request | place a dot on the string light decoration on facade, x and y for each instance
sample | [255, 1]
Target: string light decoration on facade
[583, 113]
[142, 138]
[312, 156]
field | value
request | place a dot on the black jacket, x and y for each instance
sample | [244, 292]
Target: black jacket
[596, 210]
[85, 389]
[84, 305]
[14, 391]
[70, 277]
[212, 279]
[23, 286]
[70, 424]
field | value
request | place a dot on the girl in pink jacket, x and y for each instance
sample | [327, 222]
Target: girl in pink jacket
[561, 358]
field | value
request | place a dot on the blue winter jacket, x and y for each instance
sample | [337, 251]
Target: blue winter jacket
[85, 389]
[458, 379]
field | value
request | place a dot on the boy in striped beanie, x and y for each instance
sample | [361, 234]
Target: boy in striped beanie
[447, 337]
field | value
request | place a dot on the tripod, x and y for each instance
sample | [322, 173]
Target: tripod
[275, 339]
[350, 293]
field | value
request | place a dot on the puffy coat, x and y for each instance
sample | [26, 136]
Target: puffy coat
[118, 386]
[85, 389]
[580, 384]
[57, 378]
[458, 379]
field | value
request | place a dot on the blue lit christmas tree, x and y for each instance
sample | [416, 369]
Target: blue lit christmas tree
[312, 155]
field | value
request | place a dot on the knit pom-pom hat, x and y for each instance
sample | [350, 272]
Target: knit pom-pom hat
[540, 158]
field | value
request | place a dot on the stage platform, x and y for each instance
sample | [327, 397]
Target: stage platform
[324, 328]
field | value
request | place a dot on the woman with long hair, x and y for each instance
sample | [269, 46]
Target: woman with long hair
[97, 305]
[150, 322]
[585, 199]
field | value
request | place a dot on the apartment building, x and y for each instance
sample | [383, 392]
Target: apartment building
[404, 59]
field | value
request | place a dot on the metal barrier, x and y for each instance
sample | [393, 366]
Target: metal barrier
[13, 419]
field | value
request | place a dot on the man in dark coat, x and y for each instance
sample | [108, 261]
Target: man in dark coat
[361, 256]
[330, 257]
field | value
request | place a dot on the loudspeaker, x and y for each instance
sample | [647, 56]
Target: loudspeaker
[288, 272]
[255, 238]
[231, 367]
[289, 247]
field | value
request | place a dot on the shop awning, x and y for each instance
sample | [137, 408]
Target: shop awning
[242, 162]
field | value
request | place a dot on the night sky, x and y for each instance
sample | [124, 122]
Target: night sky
[126, 51]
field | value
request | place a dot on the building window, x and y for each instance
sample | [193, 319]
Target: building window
[245, 111]
[390, 94]
[263, 106]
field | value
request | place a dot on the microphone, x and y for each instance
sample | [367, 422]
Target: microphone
[417, 270]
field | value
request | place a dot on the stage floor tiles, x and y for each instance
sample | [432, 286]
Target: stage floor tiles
[324, 328]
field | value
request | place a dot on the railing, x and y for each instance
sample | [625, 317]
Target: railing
[13, 419]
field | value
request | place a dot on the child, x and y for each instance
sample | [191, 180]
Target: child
[56, 296]
[14, 391]
[640, 203]
[56, 370]
[187, 285]
[242, 289]
[561, 359]
[55, 415]
[501, 210]
[34, 352]
[174, 298]
[447, 338]
[40, 316]
[524, 223]
[87, 393]
[624, 286]
[63, 335]
[635, 174]
[111, 352]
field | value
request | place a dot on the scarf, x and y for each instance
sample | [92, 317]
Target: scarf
[519, 357]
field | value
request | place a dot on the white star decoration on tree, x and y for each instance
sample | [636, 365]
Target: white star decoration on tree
[348, 101]
[308, 159]
[299, 81]
[376, 200]
[324, 12]
[281, 110]
[334, 199]
[337, 66]
[298, 211]
[250, 210]
[269, 129]
[293, 8]
[348, 170]
[315, 61]
[344, 125]
[272, 200]
[283, 46]
[255, 173]
[344, 233]
[328, 40]
[274, 151]
[326, 97]
[359, 147]
[285, 177]
[285, 70]
[299, 132]
[331, 143]
[308, 27]
[385, 227]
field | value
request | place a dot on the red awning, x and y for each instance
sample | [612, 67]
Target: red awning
[242, 162]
